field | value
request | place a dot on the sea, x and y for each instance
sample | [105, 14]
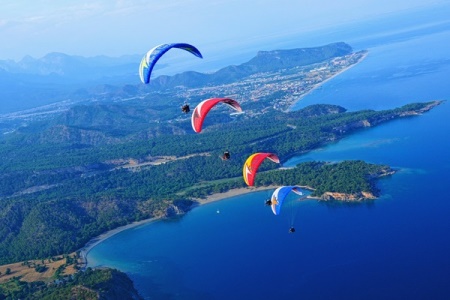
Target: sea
[394, 247]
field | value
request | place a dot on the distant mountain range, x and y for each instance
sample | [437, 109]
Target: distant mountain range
[34, 82]
[75, 67]
[55, 77]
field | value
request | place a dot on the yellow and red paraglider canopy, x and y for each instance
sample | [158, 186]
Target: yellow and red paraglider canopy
[252, 164]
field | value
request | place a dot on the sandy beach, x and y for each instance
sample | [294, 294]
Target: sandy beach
[233, 192]
[209, 199]
[97, 240]
[316, 86]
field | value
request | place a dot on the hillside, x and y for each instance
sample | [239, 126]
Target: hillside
[57, 195]
[91, 284]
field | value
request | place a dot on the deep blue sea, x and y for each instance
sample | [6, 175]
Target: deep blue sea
[395, 247]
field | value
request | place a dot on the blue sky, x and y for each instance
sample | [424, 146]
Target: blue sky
[120, 27]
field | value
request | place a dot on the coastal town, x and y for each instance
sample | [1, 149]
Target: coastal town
[282, 88]
[278, 90]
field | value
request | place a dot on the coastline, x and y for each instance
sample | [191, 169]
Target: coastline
[316, 86]
[84, 251]
[231, 193]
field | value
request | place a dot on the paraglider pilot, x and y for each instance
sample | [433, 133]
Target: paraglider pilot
[226, 155]
[185, 108]
[271, 201]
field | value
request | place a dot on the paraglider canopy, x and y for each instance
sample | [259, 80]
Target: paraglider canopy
[203, 108]
[252, 164]
[151, 57]
[280, 199]
[280, 194]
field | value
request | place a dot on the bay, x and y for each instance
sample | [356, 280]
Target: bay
[395, 247]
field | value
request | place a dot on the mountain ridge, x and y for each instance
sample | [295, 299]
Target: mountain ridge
[58, 76]
[264, 61]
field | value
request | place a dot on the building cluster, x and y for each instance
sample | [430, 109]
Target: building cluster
[279, 89]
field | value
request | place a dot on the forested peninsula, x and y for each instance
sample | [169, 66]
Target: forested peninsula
[57, 196]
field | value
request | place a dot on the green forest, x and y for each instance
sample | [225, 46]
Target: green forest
[57, 194]
[91, 284]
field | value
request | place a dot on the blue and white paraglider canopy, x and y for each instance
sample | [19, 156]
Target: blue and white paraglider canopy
[151, 57]
[279, 196]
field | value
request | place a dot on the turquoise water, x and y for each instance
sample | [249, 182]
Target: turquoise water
[396, 247]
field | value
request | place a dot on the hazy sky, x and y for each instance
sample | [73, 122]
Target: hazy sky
[118, 27]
